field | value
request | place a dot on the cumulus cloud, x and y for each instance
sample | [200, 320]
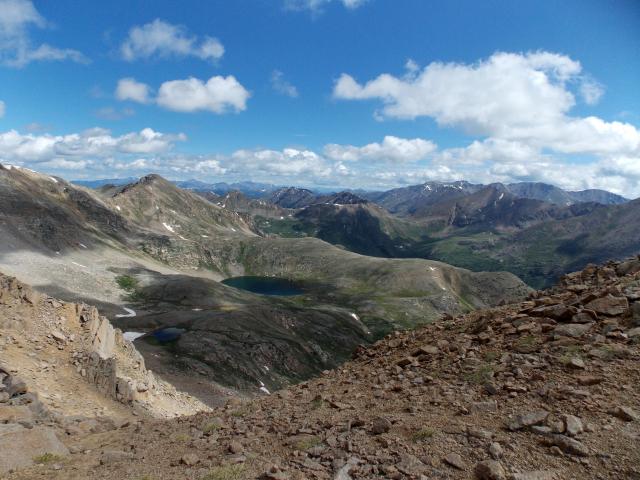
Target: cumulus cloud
[282, 85]
[93, 143]
[168, 164]
[16, 48]
[287, 163]
[504, 90]
[521, 97]
[130, 89]
[163, 40]
[392, 149]
[489, 150]
[219, 95]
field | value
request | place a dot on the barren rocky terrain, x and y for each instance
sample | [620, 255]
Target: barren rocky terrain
[547, 388]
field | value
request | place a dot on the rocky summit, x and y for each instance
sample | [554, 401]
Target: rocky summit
[547, 388]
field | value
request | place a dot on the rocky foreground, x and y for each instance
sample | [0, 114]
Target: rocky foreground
[545, 389]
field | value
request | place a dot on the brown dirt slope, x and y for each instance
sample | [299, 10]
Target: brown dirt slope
[545, 389]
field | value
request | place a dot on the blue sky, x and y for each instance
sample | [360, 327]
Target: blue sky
[356, 93]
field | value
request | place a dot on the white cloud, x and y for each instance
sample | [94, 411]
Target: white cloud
[98, 153]
[219, 95]
[65, 164]
[489, 150]
[392, 149]
[16, 49]
[510, 96]
[163, 40]
[507, 89]
[287, 163]
[168, 164]
[591, 91]
[130, 89]
[317, 5]
[282, 85]
[3, 108]
[93, 143]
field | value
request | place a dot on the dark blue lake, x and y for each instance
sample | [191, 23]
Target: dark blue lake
[265, 285]
[169, 334]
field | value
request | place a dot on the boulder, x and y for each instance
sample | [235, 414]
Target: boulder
[490, 470]
[527, 420]
[15, 414]
[561, 313]
[15, 387]
[568, 445]
[58, 336]
[586, 316]
[496, 451]
[628, 267]
[574, 330]
[380, 425]
[609, 305]
[572, 425]
[19, 447]
[455, 460]
[626, 414]
[411, 465]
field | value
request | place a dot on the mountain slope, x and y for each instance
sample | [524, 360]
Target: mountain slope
[553, 194]
[489, 228]
[416, 198]
[236, 201]
[408, 200]
[360, 227]
[542, 389]
[493, 207]
[156, 203]
[542, 252]
[48, 213]
[291, 197]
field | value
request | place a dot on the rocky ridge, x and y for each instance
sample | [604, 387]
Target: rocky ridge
[548, 388]
[65, 372]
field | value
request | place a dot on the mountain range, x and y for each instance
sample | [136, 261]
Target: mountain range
[536, 231]
[152, 255]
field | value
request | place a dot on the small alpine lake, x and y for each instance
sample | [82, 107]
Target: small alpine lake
[265, 285]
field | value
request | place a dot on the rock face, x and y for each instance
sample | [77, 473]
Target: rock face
[86, 340]
[492, 395]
